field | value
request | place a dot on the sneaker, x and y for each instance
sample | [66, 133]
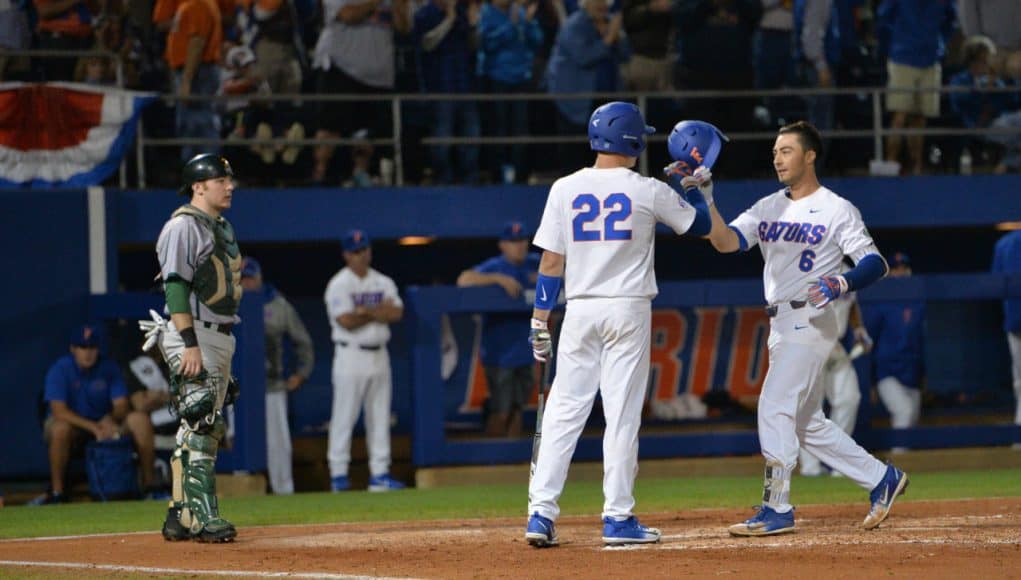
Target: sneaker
[173, 530]
[340, 483]
[384, 483]
[629, 531]
[49, 498]
[767, 522]
[883, 495]
[540, 532]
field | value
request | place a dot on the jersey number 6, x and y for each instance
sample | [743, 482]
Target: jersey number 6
[807, 261]
[620, 203]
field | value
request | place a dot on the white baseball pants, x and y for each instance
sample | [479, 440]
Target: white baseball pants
[840, 387]
[361, 381]
[790, 408]
[1014, 340]
[903, 402]
[604, 348]
[278, 444]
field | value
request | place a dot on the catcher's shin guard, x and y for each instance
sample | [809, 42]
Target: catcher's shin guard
[173, 529]
[200, 510]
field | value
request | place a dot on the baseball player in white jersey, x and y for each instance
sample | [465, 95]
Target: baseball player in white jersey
[804, 231]
[598, 232]
[838, 377]
[361, 304]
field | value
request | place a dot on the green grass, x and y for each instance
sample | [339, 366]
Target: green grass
[653, 495]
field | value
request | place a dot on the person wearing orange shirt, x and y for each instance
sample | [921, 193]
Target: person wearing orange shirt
[193, 51]
[62, 25]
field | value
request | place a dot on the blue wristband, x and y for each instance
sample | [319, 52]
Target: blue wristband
[547, 288]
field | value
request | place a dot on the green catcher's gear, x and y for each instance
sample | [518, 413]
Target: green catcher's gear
[202, 167]
[217, 281]
[233, 391]
[194, 399]
[195, 503]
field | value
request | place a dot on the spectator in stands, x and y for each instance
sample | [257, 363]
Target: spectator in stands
[818, 53]
[1011, 159]
[362, 155]
[279, 50]
[507, 360]
[446, 30]
[193, 54]
[281, 321]
[917, 34]
[88, 400]
[898, 357]
[715, 38]
[509, 36]
[586, 58]
[977, 109]
[772, 64]
[1000, 20]
[62, 25]
[14, 35]
[650, 26]
[355, 54]
[1007, 260]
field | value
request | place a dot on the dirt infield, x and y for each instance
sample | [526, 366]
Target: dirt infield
[946, 539]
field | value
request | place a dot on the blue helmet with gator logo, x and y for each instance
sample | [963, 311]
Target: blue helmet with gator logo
[695, 143]
[619, 128]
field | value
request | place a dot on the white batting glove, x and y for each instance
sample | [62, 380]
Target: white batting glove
[152, 328]
[861, 336]
[542, 342]
[702, 178]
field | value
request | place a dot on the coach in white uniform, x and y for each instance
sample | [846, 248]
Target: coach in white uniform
[361, 303]
[598, 231]
[804, 231]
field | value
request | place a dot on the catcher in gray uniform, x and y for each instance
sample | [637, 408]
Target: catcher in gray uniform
[201, 268]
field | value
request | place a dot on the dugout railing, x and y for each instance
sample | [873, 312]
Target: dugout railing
[433, 444]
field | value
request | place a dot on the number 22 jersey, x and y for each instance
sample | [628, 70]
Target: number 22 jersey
[603, 221]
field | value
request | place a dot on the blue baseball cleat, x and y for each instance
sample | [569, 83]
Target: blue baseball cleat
[540, 532]
[883, 495]
[340, 483]
[767, 522]
[384, 482]
[629, 531]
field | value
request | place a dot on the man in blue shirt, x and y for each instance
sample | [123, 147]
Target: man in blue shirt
[898, 356]
[88, 400]
[915, 33]
[507, 359]
[1007, 260]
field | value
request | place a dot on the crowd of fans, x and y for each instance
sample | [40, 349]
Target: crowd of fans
[373, 48]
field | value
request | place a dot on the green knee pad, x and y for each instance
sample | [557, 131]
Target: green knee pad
[194, 399]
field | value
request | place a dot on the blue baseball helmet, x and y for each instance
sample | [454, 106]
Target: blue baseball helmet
[695, 143]
[618, 127]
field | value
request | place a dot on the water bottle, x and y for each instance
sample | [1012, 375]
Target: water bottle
[965, 164]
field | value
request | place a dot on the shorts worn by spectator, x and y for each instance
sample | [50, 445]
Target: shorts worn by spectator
[506, 358]
[88, 400]
[62, 26]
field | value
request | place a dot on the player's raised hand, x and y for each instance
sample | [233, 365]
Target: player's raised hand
[542, 342]
[826, 290]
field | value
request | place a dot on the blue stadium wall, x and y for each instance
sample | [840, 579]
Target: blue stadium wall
[47, 267]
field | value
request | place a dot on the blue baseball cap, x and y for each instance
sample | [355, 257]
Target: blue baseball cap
[900, 259]
[250, 268]
[355, 240]
[86, 335]
[514, 231]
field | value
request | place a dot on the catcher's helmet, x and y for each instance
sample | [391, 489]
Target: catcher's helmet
[202, 167]
[695, 143]
[618, 127]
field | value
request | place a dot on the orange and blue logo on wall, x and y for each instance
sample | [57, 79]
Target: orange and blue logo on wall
[693, 351]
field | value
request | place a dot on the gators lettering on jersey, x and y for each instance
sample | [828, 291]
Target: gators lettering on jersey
[802, 240]
[604, 222]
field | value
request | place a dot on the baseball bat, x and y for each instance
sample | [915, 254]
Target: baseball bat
[543, 386]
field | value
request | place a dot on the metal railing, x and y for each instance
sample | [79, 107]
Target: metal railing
[876, 133]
